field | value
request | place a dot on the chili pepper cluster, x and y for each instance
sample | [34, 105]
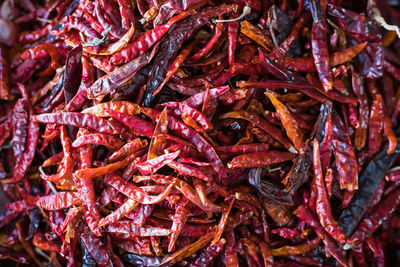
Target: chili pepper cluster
[200, 133]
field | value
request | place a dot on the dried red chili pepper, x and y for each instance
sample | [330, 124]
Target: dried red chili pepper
[134, 192]
[33, 135]
[58, 201]
[4, 75]
[260, 159]
[322, 203]
[100, 110]
[82, 121]
[256, 34]
[346, 162]
[106, 140]
[20, 127]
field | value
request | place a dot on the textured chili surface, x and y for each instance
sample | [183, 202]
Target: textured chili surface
[199, 133]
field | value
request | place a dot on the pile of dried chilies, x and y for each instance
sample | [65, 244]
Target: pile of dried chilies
[200, 133]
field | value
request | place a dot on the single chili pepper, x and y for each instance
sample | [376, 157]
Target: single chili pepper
[156, 143]
[179, 220]
[94, 172]
[223, 221]
[320, 47]
[287, 233]
[307, 64]
[232, 40]
[82, 121]
[106, 140]
[80, 97]
[127, 15]
[292, 129]
[375, 126]
[388, 130]
[20, 127]
[189, 170]
[201, 192]
[33, 135]
[256, 34]
[57, 201]
[18, 206]
[296, 250]
[53, 160]
[143, 43]
[136, 124]
[243, 149]
[126, 227]
[4, 75]
[100, 110]
[260, 159]
[361, 132]
[322, 204]
[134, 192]
[140, 249]
[346, 162]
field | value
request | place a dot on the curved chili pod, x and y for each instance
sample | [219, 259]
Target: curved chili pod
[322, 203]
[82, 120]
[260, 159]
[135, 193]
[346, 162]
